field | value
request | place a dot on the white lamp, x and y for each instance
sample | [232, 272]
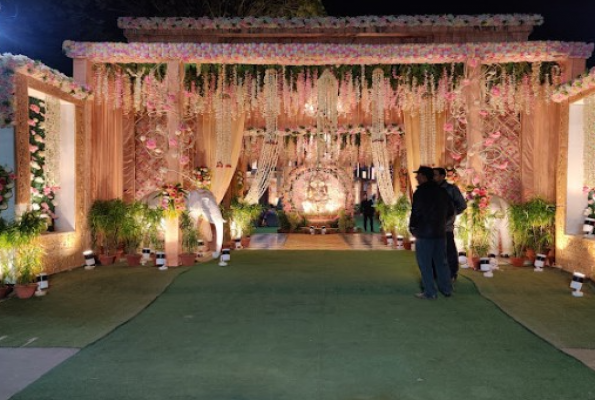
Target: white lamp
[577, 284]
[42, 284]
[412, 244]
[539, 262]
[463, 259]
[312, 230]
[588, 226]
[160, 261]
[400, 242]
[389, 239]
[493, 261]
[89, 259]
[146, 252]
[323, 230]
[486, 267]
[238, 243]
[225, 256]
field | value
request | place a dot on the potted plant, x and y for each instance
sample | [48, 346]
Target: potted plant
[190, 238]
[346, 222]
[131, 232]
[540, 224]
[242, 217]
[395, 218]
[28, 253]
[105, 219]
[7, 236]
[519, 233]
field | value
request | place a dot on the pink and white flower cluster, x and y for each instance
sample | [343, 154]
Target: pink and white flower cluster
[6, 185]
[324, 54]
[575, 87]
[201, 177]
[13, 64]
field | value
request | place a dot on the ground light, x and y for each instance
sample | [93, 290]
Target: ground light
[389, 239]
[463, 259]
[577, 284]
[588, 226]
[238, 243]
[89, 259]
[201, 248]
[539, 262]
[160, 261]
[412, 244]
[400, 241]
[486, 267]
[42, 284]
[146, 252]
[225, 256]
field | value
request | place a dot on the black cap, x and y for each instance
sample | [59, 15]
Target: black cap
[425, 170]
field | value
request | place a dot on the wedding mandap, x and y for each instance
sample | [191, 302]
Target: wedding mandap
[315, 111]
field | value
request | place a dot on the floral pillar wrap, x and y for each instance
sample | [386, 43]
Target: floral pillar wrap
[173, 202]
[6, 185]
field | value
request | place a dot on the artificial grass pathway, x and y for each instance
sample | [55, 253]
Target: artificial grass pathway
[317, 326]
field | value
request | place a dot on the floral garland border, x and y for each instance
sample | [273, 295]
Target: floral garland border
[11, 64]
[324, 53]
[449, 20]
[575, 87]
[392, 129]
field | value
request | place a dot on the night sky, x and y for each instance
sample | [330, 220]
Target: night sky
[37, 28]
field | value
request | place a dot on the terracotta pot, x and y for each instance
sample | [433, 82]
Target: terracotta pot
[530, 253]
[5, 291]
[517, 261]
[245, 241]
[133, 260]
[26, 290]
[187, 259]
[106, 260]
[475, 263]
[407, 245]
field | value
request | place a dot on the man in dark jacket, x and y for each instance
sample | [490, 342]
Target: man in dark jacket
[459, 203]
[430, 209]
[367, 209]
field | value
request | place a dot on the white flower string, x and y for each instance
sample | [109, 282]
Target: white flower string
[270, 153]
[589, 141]
[52, 141]
[379, 150]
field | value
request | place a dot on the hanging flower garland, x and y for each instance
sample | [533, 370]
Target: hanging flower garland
[7, 178]
[43, 194]
[201, 178]
[173, 199]
[590, 208]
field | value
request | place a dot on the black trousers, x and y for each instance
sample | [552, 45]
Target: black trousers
[452, 255]
[371, 219]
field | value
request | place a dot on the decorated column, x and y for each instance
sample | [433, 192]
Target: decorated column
[174, 79]
[472, 89]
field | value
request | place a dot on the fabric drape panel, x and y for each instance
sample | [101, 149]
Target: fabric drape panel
[474, 121]
[539, 143]
[128, 158]
[412, 134]
[107, 176]
[207, 149]
[440, 160]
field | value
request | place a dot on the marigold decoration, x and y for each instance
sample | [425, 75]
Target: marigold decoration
[173, 199]
[201, 178]
[6, 186]
[590, 209]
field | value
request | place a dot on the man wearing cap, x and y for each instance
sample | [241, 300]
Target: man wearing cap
[430, 209]
[460, 205]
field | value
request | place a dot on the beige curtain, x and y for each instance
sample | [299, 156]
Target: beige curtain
[206, 152]
[539, 146]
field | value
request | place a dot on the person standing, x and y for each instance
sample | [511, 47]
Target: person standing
[430, 209]
[459, 203]
[367, 209]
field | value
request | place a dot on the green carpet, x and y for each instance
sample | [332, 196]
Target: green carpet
[340, 325]
[81, 306]
[542, 301]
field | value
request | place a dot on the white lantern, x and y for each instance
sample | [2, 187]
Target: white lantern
[577, 284]
[312, 230]
[493, 261]
[389, 239]
[400, 242]
[463, 259]
[238, 243]
[225, 256]
[588, 226]
[323, 230]
[160, 260]
[412, 244]
[42, 281]
[539, 262]
[146, 252]
[486, 267]
[89, 259]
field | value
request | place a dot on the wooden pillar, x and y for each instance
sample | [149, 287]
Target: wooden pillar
[174, 79]
[573, 67]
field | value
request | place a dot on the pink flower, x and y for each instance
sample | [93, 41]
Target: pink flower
[488, 142]
[173, 142]
[35, 108]
[151, 144]
[448, 127]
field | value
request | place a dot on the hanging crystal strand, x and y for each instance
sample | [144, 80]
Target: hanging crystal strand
[52, 141]
[223, 122]
[326, 115]
[97, 84]
[378, 139]
[270, 151]
[127, 101]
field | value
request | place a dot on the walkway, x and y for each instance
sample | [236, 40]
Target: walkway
[300, 241]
